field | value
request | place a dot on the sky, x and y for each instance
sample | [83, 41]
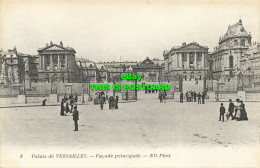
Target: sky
[103, 31]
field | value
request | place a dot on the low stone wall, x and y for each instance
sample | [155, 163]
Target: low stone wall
[11, 100]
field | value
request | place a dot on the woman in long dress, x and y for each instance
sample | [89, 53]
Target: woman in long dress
[62, 108]
[243, 115]
[237, 110]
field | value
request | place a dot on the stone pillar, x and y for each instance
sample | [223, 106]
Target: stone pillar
[59, 62]
[195, 61]
[51, 62]
[202, 60]
[66, 60]
[43, 62]
[188, 61]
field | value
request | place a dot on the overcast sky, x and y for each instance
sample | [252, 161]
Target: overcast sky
[106, 31]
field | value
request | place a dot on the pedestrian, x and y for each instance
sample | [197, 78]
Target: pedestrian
[237, 109]
[160, 97]
[107, 96]
[222, 111]
[76, 97]
[67, 106]
[71, 104]
[181, 97]
[203, 97]
[199, 98]
[173, 95]
[110, 100]
[187, 97]
[243, 115]
[195, 96]
[65, 97]
[102, 103]
[230, 110]
[62, 108]
[116, 102]
[126, 95]
[164, 96]
[191, 99]
[75, 117]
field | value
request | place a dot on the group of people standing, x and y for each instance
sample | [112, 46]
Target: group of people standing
[162, 96]
[193, 97]
[69, 105]
[103, 98]
[238, 108]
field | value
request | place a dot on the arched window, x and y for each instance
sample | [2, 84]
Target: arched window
[231, 61]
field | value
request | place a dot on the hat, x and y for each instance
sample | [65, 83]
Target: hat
[230, 100]
[221, 104]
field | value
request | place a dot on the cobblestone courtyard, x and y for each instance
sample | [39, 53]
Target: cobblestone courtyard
[142, 123]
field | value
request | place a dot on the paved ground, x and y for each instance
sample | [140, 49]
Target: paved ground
[143, 123]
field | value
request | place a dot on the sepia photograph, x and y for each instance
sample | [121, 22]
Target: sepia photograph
[130, 83]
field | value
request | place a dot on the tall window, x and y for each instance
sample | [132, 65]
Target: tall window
[243, 43]
[231, 61]
[235, 42]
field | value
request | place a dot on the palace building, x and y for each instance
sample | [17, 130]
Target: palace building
[227, 55]
[57, 63]
[188, 61]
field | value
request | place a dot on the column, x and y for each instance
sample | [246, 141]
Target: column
[188, 61]
[43, 62]
[66, 61]
[202, 60]
[58, 61]
[51, 62]
[180, 60]
[195, 61]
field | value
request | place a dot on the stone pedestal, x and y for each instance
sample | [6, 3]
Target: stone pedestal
[21, 99]
[27, 83]
[53, 98]
[241, 95]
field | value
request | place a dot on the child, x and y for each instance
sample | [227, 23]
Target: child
[222, 111]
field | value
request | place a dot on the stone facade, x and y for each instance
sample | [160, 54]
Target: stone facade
[150, 71]
[13, 66]
[189, 61]
[57, 63]
[227, 55]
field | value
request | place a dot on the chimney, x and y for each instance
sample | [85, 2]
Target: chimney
[184, 43]
[61, 44]
[51, 43]
[47, 45]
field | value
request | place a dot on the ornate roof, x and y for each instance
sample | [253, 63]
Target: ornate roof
[236, 30]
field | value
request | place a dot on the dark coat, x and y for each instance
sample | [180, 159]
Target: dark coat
[75, 115]
[231, 107]
[181, 95]
[222, 110]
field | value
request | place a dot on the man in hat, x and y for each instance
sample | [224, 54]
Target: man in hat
[199, 98]
[230, 109]
[75, 117]
[181, 97]
[222, 111]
